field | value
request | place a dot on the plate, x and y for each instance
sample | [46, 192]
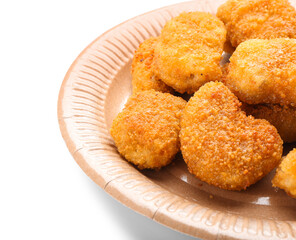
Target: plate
[95, 89]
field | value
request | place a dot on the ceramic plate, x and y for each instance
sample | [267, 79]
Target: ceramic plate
[95, 89]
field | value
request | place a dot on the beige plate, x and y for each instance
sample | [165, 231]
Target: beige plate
[95, 90]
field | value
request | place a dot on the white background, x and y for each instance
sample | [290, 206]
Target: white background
[44, 194]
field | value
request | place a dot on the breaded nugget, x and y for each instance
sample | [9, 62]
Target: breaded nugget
[264, 71]
[143, 77]
[285, 177]
[189, 50]
[146, 132]
[225, 10]
[257, 19]
[282, 117]
[221, 145]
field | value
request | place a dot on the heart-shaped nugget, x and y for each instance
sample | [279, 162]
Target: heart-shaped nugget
[221, 145]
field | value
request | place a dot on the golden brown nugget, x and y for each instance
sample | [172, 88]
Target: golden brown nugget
[264, 71]
[189, 50]
[257, 19]
[146, 132]
[221, 145]
[285, 177]
[143, 77]
[282, 117]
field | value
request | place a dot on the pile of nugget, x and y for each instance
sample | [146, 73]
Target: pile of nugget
[232, 129]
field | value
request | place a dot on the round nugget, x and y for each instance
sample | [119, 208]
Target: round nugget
[146, 132]
[264, 71]
[257, 19]
[143, 77]
[221, 145]
[282, 117]
[189, 50]
[285, 177]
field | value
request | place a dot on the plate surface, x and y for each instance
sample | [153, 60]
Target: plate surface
[96, 88]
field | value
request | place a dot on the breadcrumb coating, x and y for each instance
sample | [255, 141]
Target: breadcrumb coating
[264, 71]
[285, 177]
[143, 77]
[189, 50]
[257, 19]
[146, 132]
[282, 117]
[221, 145]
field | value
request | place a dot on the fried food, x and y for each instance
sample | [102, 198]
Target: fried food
[264, 71]
[221, 145]
[282, 117]
[143, 77]
[146, 132]
[285, 177]
[189, 50]
[257, 19]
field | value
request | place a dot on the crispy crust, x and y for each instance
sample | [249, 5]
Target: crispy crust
[189, 50]
[264, 71]
[146, 132]
[263, 19]
[282, 117]
[143, 77]
[285, 177]
[221, 145]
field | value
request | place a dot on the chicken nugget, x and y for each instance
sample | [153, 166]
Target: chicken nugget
[264, 71]
[282, 117]
[189, 50]
[257, 19]
[146, 132]
[285, 177]
[221, 145]
[143, 77]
